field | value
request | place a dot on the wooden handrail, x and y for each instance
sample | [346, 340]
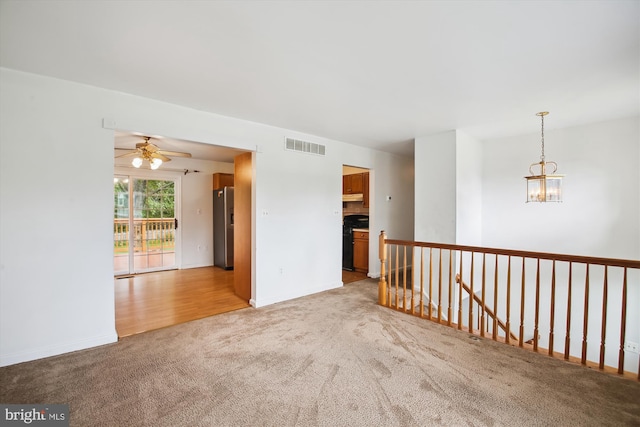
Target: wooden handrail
[612, 262]
[490, 312]
[599, 281]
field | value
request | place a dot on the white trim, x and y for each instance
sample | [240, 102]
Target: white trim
[188, 266]
[282, 297]
[54, 350]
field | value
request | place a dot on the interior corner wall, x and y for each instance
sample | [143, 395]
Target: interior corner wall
[468, 190]
[435, 188]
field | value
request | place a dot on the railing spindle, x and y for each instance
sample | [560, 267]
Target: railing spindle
[397, 277]
[482, 319]
[508, 332]
[382, 253]
[553, 307]
[567, 336]
[430, 282]
[389, 282]
[521, 335]
[421, 282]
[623, 324]
[603, 330]
[471, 293]
[460, 295]
[404, 278]
[413, 279]
[495, 302]
[585, 324]
[537, 313]
[440, 286]
[450, 296]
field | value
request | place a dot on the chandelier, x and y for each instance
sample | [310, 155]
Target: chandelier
[543, 187]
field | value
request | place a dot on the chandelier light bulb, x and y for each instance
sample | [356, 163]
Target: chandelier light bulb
[155, 163]
[136, 162]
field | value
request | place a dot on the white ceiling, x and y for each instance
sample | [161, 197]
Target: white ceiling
[372, 73]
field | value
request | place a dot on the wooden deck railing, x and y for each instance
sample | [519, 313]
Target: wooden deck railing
[542, 293]
[148, 233]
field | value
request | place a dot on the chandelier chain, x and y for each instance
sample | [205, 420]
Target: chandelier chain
[542, 128]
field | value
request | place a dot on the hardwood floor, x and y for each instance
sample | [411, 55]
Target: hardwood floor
[156, 300]
[352, 276]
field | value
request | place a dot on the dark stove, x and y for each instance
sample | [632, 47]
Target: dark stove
[348, 224]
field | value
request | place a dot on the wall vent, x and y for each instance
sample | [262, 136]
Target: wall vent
[304, 146]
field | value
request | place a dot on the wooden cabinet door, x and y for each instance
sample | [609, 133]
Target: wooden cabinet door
[353, 184]
[221, 180]
[356, 183]
[365, 190]
[361, 251]
[242, 225]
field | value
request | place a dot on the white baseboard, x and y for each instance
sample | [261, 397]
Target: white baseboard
[285, 297]
[188, 266]
[54, 350]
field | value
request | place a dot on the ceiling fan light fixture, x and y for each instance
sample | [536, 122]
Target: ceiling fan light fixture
[149, 152]
[155, 163]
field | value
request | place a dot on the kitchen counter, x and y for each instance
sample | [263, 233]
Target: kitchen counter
[362, 230]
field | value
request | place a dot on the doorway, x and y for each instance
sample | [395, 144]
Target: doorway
[144, 225]
[355, 223]
[180, 282]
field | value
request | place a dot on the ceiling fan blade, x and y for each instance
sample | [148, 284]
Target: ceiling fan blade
[157, 155]
[174, 153]
[129, 154]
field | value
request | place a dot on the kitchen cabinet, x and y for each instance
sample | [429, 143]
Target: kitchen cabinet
[361, 251]
[221, 180]
[365, 190]
[352, 184]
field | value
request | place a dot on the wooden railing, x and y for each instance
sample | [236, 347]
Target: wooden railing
[540, 292]
[149, 233]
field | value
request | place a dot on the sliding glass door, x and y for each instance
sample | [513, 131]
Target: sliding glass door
[144, 225]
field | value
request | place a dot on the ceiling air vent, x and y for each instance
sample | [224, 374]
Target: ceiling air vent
[304, 146]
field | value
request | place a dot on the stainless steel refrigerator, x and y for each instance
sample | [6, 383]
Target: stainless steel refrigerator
[223, 227]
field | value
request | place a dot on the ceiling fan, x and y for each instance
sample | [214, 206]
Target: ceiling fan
[151, 153]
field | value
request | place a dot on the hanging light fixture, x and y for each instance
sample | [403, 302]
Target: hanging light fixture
[543, 187]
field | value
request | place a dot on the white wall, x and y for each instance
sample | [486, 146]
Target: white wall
[56, 273]
[468, 190]
[435, 188]
[599, 215]
[197, 212]
[56, 172]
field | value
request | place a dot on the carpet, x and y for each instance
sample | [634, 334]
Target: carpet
[329, 359]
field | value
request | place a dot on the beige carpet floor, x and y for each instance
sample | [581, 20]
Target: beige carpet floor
[330, 359]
